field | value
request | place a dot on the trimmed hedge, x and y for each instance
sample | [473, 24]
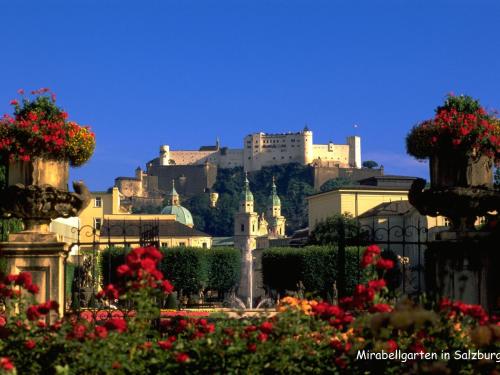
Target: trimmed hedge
[224, 267]
[314, 266]
[189, 269]
[186, 268]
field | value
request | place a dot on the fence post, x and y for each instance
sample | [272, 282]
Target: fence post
[341, 281]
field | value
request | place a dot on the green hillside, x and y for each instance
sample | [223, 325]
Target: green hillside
[294, 183]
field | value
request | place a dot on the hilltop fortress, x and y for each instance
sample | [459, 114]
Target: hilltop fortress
[195, 171]
[261, 149]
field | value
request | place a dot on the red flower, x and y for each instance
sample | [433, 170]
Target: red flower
[377, 284]
[148, 264]
[29, 344]
[33, 289]
[6, 364]
[380, 307]
[266, 327]
[123, 270]
[385, 264]
[116, 324]
[116, 365]
[14, 102]
[366, 260]
[373, 249]
[252, 348]
[101, 332]
[182, 357]
[392, 346]
[262, 337]
[165, 345]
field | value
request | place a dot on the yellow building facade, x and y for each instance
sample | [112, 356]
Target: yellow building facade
[113, 224]
[351, 200]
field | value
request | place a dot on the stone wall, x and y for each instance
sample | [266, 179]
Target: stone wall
[324, 171]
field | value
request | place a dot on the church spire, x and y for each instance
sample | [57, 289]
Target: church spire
[274, 199]
[246, 199]
[173, 196]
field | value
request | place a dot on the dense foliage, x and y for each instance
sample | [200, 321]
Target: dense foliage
[460, 124]
[294, 183]
[334, 229]
[311, 270]
[335, 183]
[39, 128]
[305, 336]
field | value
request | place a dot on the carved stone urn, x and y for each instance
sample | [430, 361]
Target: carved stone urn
[37, 192]
[455, 169]
[461, 189]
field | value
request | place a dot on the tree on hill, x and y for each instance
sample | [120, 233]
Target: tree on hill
[370, 164]
[336, 183]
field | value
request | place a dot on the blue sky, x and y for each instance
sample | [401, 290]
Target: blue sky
[145, 73]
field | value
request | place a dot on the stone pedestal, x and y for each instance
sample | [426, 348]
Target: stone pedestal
[45, 261]
[465, 268]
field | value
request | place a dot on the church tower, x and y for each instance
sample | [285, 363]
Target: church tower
[275, 219]
[246, 221]
[246, 231]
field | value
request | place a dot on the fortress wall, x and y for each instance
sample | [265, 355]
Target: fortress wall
[192, 157]
[332, 152]
[189, 179]
[230, 158]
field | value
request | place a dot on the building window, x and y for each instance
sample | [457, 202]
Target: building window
[182, 244]
[98, 202]
[242, 227]
[97, 223]
[204, 245]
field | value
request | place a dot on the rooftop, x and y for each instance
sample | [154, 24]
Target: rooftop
[132, 228]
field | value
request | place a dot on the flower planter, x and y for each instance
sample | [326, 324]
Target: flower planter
[453, 169]
[39, 172]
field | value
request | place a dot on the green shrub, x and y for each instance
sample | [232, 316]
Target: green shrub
[186, 268]
[315, 267]
[224, 265]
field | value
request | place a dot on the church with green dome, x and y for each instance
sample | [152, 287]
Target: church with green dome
[173, 207]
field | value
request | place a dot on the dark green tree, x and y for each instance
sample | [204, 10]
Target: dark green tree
[336, 183]
[370, 164]
[327, 231]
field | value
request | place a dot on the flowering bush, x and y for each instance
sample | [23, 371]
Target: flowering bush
[305, 336]
[40, 129]
[460, 124]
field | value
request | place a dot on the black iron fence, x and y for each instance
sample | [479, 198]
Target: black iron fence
[84, 264]
[402, 241]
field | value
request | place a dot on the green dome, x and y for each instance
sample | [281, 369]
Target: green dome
[182, 215]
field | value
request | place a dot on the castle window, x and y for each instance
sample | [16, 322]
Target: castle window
[98, 202]
[242, 227]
